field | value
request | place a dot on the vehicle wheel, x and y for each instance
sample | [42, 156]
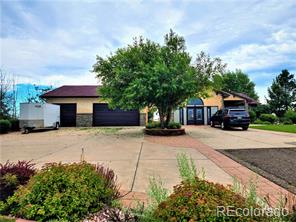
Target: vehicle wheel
[223, 126]
[25, 130]
[212, 124]
[245, 127]
[57, 126]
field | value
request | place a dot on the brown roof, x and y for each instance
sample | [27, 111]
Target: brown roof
[249, 100]
[73, 91]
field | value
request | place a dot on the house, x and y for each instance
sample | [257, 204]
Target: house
[198, 111]
[82, 106]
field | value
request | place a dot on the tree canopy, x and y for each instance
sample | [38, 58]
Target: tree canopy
[282, 93]
[147, 74]
[236, 81]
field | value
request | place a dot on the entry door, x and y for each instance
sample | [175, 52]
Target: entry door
[195, 116]
[190, 115]
[199, 116]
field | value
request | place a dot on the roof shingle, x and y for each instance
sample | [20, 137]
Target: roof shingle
[73, 91]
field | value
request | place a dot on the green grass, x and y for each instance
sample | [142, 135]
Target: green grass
[6, 219]
[278, 128]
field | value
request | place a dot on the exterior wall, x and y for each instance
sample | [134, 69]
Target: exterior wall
[84, 120]
[84, 105]
[214, 100]
[143, 119]
[84, 117]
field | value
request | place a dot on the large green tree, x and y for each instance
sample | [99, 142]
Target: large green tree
[147, 74]
[282, 93]
[236, 81]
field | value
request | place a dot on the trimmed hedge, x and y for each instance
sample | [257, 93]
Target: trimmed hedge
[5, 125]
[290, 115]
[15, 124]
[173, 125]
[64, 192]
[258, 121]
[152, 125]
[268, 118]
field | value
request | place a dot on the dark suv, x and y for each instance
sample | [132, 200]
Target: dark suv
[231, 117]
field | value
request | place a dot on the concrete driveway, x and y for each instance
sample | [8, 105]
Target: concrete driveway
[237, 139]
[124, 150]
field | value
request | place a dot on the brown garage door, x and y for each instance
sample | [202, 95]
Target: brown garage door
[68, 114]
[103, 116]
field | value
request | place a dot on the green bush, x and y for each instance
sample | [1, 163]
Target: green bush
[252, 116]
[15, 124]
[152, 125]
[64, 192]
[198, 202]
[268, 118]
[4, 126]
[258, 121]
[173, 125]
[290, 115]
[287, 122]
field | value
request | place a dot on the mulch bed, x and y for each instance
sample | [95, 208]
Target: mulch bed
[275, 164]
[164, 132]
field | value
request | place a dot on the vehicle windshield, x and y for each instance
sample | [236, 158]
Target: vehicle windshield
[238, 112]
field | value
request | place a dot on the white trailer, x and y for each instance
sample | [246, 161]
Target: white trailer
[37, 115]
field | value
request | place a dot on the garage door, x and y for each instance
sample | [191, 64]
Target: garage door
[68, 114]
[103, 116]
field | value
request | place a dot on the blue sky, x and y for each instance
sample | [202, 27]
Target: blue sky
[55, 42]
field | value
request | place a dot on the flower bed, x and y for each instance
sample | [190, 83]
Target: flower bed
[164, 132]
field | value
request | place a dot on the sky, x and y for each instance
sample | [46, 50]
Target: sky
[55, 42]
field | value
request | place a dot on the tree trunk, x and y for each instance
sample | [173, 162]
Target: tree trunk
[161, 118]
[168, 116]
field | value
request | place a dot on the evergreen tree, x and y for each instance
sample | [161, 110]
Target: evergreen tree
[282, 93]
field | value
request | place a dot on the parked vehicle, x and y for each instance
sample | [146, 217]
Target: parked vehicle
[231, 118]
[37, 115]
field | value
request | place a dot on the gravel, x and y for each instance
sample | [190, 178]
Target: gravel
[275, 164]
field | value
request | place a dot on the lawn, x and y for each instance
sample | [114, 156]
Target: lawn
[278, 128]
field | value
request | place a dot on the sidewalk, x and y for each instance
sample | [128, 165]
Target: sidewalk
[242, 174]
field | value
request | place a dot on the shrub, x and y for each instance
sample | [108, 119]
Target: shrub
[252, 115]
[152, 125]
[198, 202]
[258, 121]
[173, 125]
[291, 115]
[287, 122]
[268, 118]
[15, 124]
[12, 175]
[4, 126]
[64, 192]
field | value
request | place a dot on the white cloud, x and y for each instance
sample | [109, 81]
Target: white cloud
[56, 42]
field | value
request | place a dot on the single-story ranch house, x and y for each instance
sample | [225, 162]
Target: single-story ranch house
[82, 106]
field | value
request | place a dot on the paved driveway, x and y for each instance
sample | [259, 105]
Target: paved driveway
[238, 139]
[133, 158]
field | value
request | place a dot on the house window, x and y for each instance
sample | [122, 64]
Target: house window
[195, 102]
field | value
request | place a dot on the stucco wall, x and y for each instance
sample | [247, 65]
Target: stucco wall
[213, 100]
[84, 105]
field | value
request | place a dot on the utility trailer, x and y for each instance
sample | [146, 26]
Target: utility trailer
[38, 115]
